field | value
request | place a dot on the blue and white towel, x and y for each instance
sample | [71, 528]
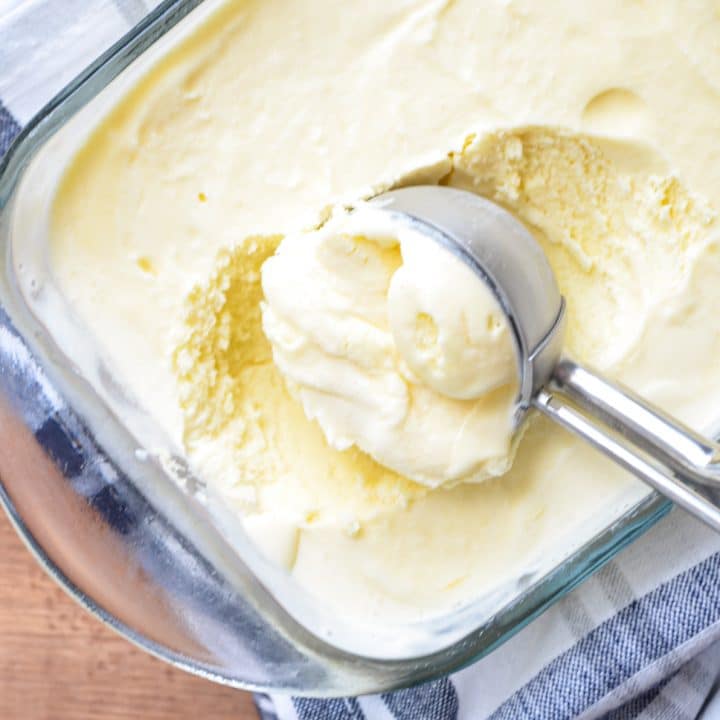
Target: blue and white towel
[640, 639]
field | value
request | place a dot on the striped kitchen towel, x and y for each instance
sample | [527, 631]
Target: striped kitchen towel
[640, 639]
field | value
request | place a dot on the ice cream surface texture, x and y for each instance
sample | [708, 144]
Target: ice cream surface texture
[265, 122]
[393, 345]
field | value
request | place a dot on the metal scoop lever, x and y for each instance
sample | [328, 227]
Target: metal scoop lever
[673, 459]
[686, 472]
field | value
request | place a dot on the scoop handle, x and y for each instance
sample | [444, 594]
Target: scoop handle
[667, 455]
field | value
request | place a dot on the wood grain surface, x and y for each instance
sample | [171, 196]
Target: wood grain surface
[57, 662]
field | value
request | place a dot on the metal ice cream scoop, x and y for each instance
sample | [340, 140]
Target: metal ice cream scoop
[667, 455]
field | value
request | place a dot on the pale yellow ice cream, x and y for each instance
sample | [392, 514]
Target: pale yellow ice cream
[449, 330]
[594, 123]
[393, 345]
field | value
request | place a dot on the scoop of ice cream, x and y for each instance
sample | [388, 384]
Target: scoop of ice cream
[394, 345]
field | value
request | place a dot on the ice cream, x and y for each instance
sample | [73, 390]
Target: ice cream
[273, 116]
[393, 345]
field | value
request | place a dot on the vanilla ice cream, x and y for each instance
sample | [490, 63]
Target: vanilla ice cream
[329, 382]
[392, 344]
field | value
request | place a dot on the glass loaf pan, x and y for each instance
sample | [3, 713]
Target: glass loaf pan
[132, 539]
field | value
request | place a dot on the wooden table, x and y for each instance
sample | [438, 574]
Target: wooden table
[57, 662]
